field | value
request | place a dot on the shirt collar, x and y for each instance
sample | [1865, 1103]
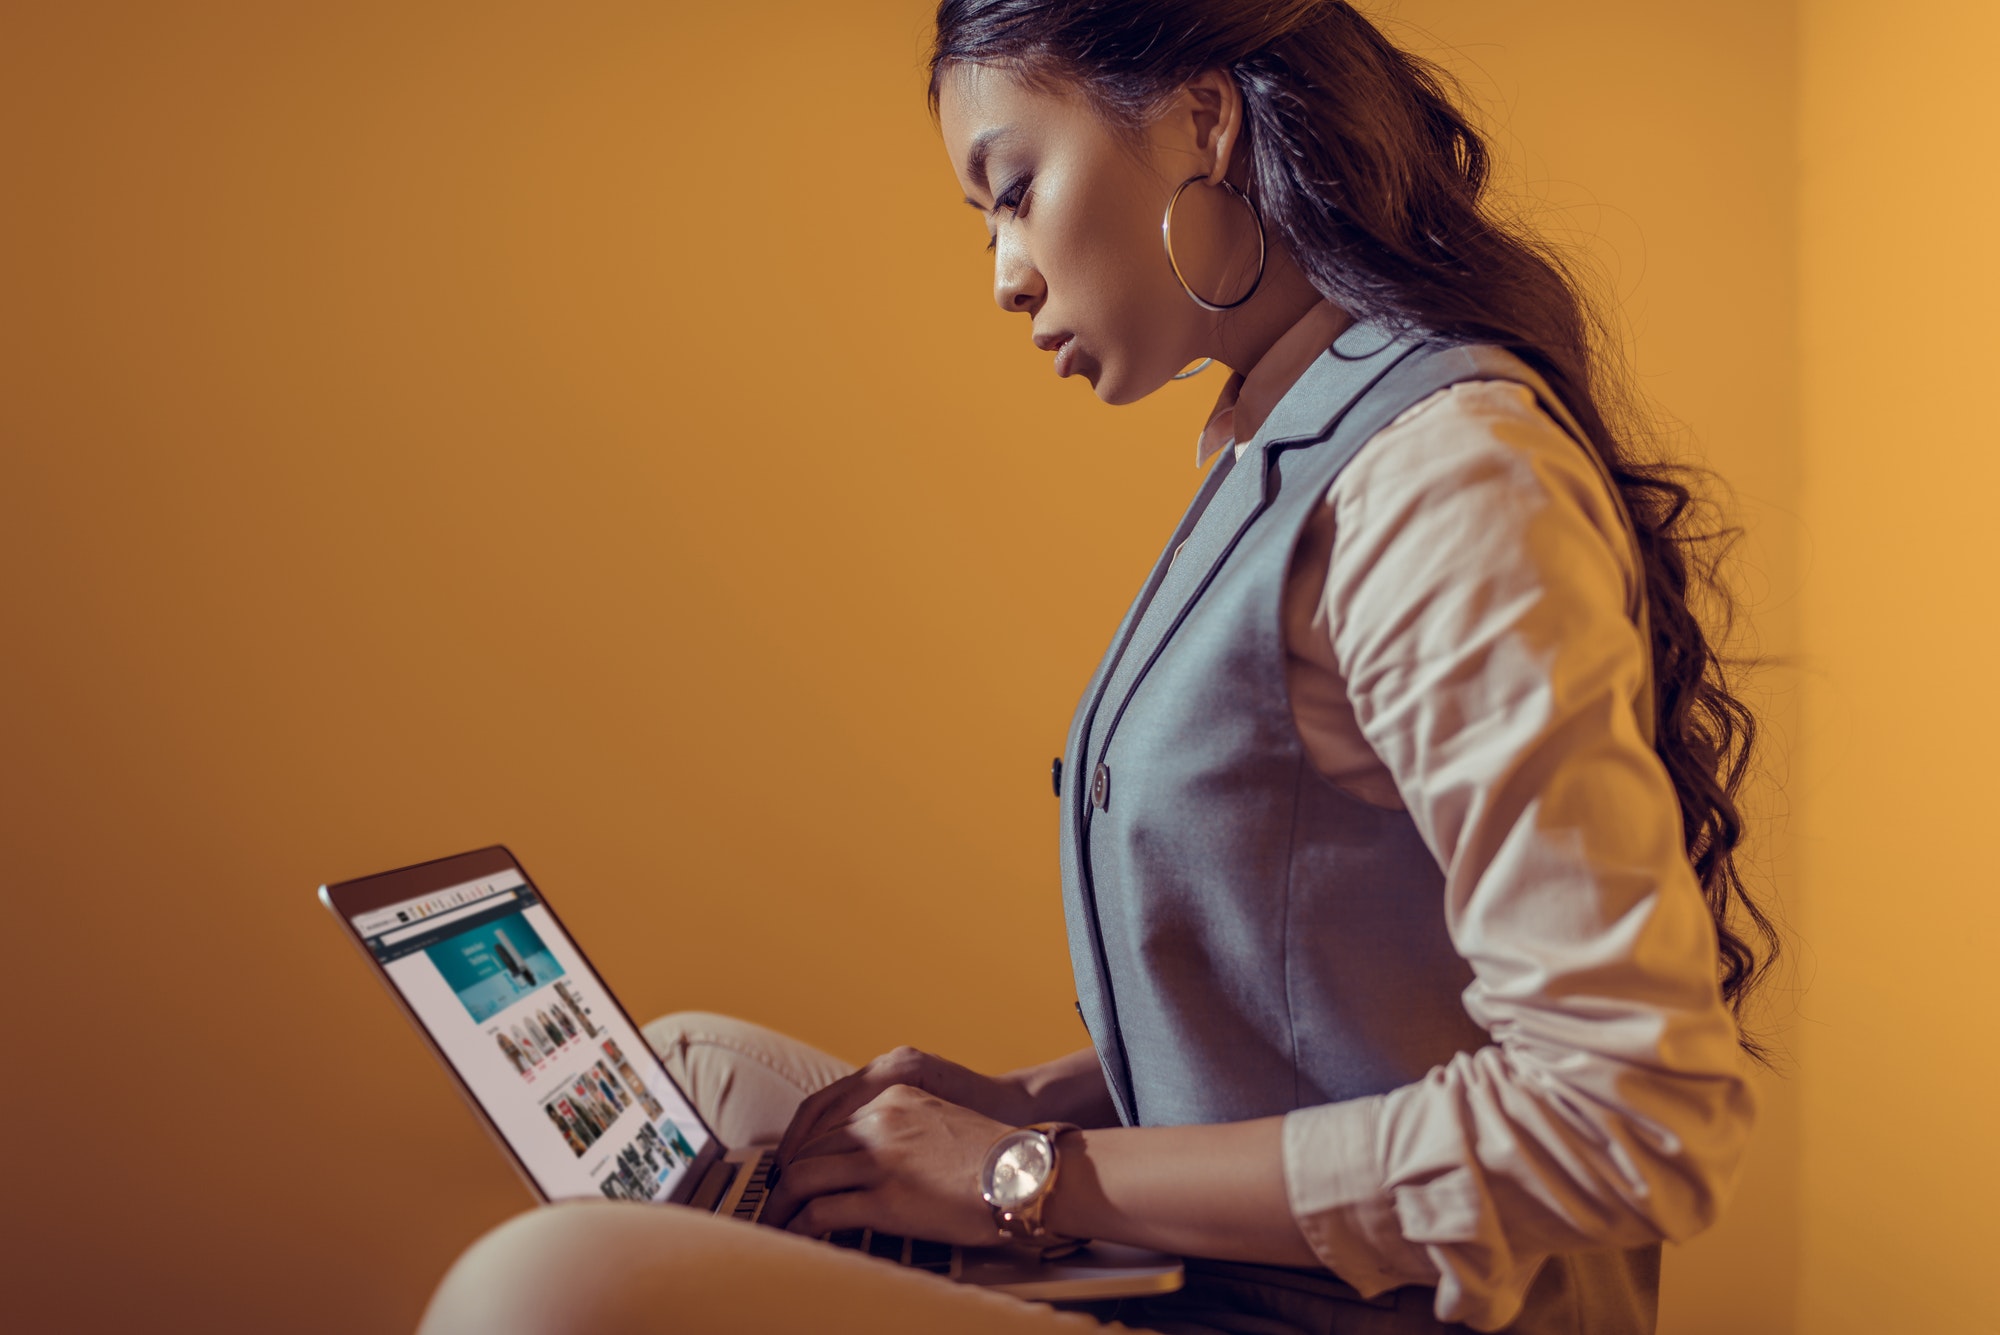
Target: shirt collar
[1247, 399]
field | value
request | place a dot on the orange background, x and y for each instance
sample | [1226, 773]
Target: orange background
[587, 427]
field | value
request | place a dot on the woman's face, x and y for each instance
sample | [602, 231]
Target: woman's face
[1074, 212]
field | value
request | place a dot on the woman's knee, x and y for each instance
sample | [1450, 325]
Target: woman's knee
[744, 1079]
[670, 1035]
[595, 1267]
[673, 1034]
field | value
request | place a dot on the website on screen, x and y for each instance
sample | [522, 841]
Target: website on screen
[571, 1085]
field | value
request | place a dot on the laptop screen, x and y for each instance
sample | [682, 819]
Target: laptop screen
[534, 1035]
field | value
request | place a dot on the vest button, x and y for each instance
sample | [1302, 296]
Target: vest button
[1100, 788]
[1055, 775]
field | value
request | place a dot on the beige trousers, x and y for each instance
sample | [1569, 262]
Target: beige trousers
[612, 1268]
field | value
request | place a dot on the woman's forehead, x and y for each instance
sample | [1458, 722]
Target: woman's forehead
[982, 107]
[974, 98]
[977, 97]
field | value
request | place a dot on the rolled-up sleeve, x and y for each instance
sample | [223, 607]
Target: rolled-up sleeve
[1476, 602]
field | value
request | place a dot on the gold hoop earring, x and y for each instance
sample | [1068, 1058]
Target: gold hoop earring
[1194, 370]
[1167, 237]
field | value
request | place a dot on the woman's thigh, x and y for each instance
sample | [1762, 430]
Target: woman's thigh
[607, 1268]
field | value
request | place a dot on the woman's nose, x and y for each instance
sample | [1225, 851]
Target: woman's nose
[1017, 284]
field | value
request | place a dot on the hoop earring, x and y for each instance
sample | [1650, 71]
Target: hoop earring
[1194, 370]
[1167, 237]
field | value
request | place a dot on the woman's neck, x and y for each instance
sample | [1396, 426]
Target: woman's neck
[1244, 335]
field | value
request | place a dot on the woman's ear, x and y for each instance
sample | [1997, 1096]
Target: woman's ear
[1215, 105]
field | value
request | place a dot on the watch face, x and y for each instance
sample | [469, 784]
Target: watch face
[1018, 1168]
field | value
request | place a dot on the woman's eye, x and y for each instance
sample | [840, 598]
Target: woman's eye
[1010, 200]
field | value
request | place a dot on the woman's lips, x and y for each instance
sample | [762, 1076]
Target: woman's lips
[1066, 356]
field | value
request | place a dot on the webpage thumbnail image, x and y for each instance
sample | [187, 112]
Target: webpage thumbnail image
[531, 1039]
[493, 965]
[586, 1109]
[648, 1161]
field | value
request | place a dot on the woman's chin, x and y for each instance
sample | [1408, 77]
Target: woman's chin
[1113, 388]
[1116, 389]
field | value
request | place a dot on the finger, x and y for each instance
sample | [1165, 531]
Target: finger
[805, 1120]
[809, 1179]
[829, 1214]
[838, 1139]
[827, 1109]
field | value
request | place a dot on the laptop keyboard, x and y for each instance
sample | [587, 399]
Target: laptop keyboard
[932, 1256]
[757, 1188]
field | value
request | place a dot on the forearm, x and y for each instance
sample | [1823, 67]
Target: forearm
[1215, 1191]
[1069, 1089]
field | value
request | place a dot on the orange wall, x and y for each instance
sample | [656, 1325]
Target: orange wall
[587, 427]
[1901, 285]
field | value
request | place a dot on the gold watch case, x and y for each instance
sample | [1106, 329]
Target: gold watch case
[1017, 1176]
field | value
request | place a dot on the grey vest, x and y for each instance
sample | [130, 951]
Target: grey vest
[1246, 937]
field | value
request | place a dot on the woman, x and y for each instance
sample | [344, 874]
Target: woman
[1398, 822]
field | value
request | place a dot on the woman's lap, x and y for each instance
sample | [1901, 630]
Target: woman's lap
[618, 1268]
[612, 1268]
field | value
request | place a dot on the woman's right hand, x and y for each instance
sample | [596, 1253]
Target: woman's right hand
[1002, 1098]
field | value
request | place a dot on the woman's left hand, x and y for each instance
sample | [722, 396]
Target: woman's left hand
[906, 1162]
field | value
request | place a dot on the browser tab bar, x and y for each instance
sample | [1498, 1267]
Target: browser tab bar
[427, 909]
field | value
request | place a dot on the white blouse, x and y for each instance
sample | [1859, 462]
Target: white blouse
[1460, 647]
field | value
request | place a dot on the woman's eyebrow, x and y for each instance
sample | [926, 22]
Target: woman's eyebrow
[975, 161]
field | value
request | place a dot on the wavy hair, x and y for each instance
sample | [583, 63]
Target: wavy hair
[1377, 184]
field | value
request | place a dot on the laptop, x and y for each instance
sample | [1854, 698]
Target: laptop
[558, 1072]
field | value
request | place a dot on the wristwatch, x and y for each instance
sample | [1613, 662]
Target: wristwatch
[1016, 1179]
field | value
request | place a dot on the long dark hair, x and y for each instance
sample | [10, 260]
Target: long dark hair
[1376, 183]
